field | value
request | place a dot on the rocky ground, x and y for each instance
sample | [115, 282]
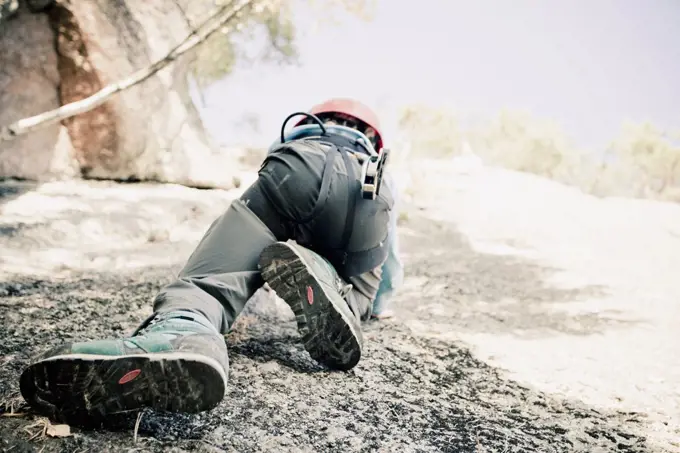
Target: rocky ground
[504, 340]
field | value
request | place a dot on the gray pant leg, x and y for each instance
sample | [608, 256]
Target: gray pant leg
[364, 289]
[221, 274]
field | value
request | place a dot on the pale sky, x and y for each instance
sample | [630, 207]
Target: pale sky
[588, 64]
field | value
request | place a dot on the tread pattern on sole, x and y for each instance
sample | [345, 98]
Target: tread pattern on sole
[330, 332]
[77, 390]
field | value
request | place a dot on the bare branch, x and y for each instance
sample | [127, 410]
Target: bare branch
[215, 22]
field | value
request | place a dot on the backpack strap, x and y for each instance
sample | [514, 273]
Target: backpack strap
[352, 193]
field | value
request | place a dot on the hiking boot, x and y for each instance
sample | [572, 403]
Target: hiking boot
[176, 361]
[309, 284]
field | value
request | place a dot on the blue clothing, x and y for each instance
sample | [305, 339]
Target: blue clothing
[393, 268]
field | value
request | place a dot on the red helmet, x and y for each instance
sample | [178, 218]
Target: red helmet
[338, 108]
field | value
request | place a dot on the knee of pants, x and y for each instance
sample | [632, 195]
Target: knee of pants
[233, 243]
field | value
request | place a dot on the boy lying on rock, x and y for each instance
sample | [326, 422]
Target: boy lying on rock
[318, 226]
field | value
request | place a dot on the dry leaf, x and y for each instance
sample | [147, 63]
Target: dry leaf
[58, 430]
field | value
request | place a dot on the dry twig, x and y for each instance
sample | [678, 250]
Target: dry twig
[139, 419]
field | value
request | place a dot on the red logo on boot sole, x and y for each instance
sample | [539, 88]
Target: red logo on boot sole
[310, 295]
[129, 376]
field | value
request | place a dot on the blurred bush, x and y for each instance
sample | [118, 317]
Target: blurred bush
[643, 161]
[273, 20]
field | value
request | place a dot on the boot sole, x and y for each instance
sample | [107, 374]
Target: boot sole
[329, 331]
[85, 389]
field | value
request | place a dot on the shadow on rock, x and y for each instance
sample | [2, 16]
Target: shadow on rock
[266, 331]
[472, 291]
[408, 393]
[11, 189]
[287, 351]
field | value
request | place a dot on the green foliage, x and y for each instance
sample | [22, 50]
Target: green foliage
[217, 56]
[431, 130]
[644, 161]
[652, 153]
[214, 58]
[281, 33]
[519, 141]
